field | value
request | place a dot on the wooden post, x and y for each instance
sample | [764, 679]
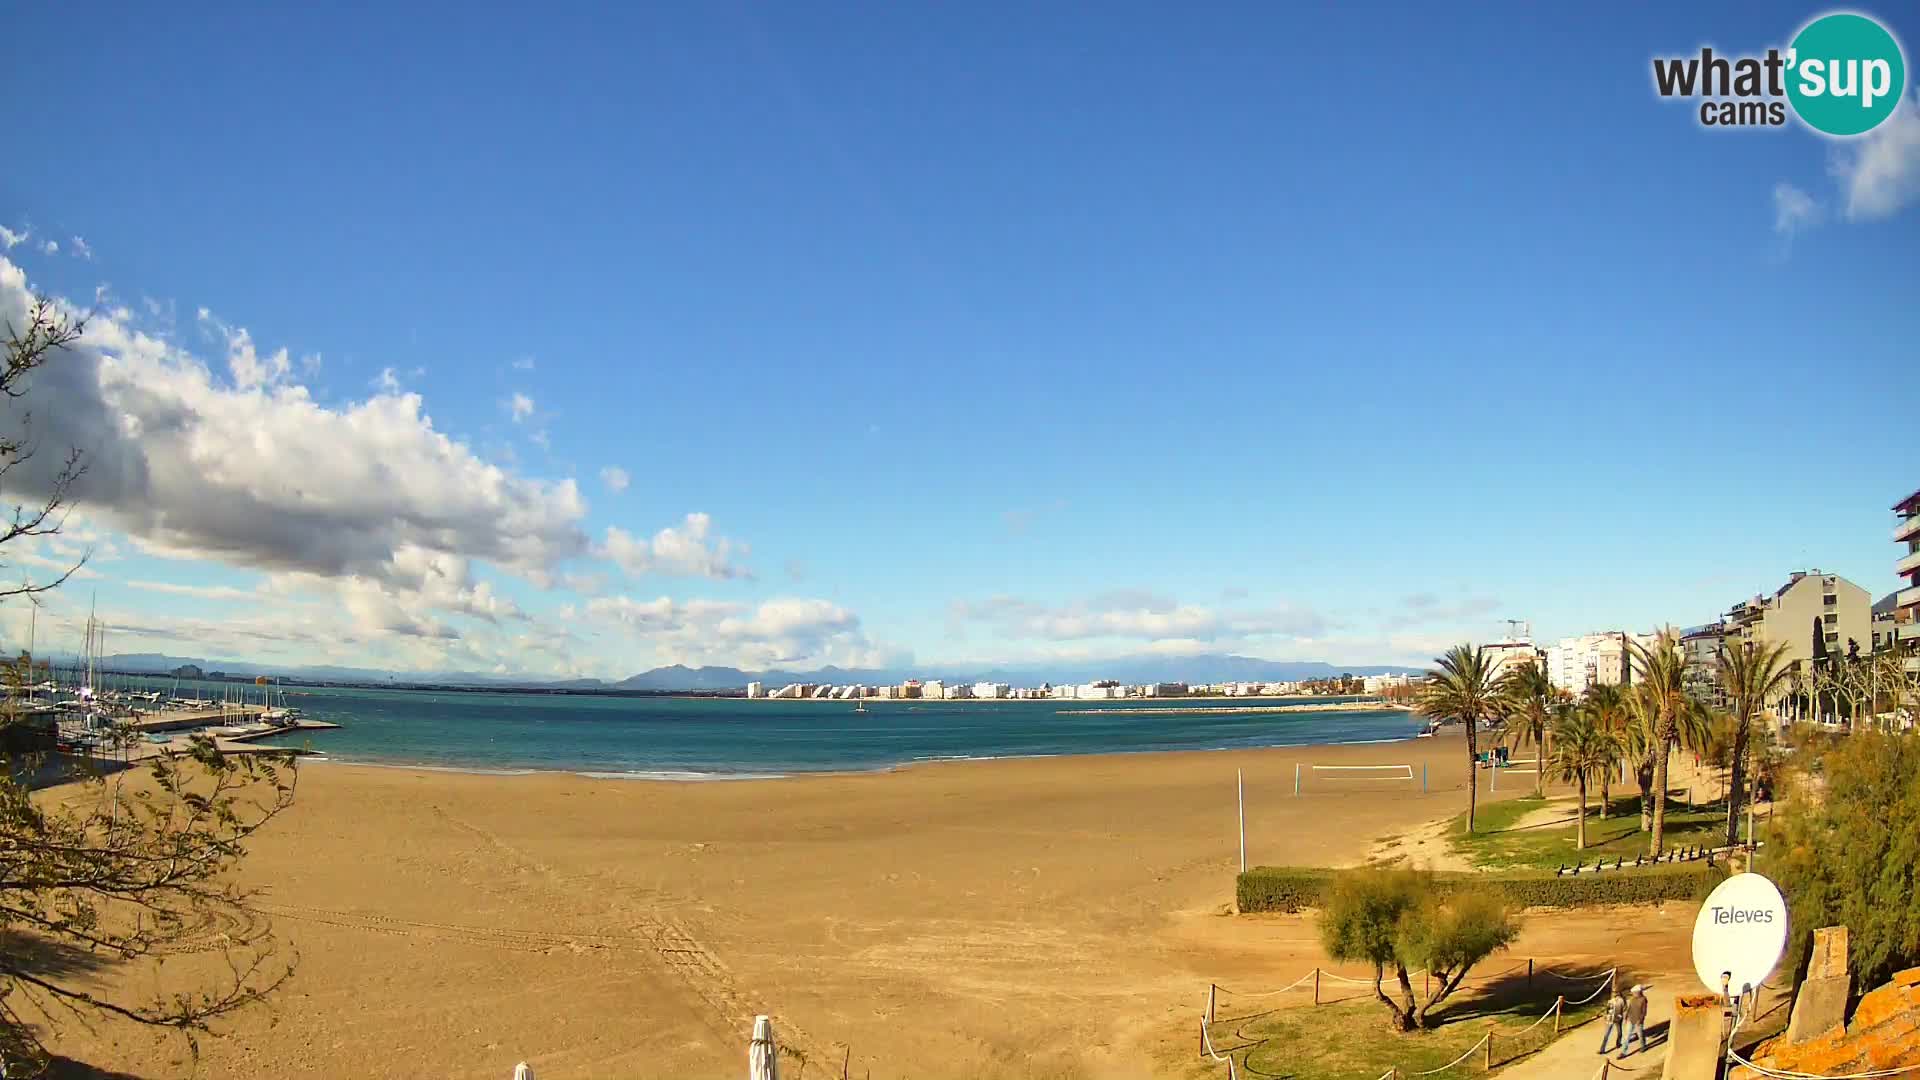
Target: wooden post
[1558, 1012]
[1529, 974]
[1316, 986]
[1429, 980]
[1240, 796]
[1212, 990]
[1489, 1050]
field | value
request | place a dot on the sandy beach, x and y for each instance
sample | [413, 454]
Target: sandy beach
[1046, 917]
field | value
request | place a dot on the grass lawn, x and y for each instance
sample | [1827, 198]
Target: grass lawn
[1497, 843]
[1351, 1040]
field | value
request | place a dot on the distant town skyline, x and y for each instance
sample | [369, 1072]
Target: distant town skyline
[990, 338]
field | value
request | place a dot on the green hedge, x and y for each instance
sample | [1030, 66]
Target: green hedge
[1293, 888]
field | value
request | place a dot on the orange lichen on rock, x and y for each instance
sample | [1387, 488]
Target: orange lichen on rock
[1884, 1033]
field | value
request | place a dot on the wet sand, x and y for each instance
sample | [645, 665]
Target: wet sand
[1047, 917]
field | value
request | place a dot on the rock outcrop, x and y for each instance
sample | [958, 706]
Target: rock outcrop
[1883, 1034]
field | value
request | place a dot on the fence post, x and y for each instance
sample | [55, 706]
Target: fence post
[1212, 989]
[1557, 1013]
[1316, 986]
[1489, 1051]
[1529, 974]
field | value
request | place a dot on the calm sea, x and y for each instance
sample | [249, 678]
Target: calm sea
[711, 738]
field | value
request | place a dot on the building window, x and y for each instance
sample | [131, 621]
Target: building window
[1832, 617]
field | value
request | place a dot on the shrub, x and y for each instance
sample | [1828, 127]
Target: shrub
[1852, 855]
[1292, 888]
[1396, 920]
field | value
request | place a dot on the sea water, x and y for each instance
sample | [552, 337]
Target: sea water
[718, 738]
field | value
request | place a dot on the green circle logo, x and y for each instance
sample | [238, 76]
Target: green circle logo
[1846, 74]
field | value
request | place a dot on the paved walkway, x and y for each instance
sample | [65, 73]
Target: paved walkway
[1572, 1057]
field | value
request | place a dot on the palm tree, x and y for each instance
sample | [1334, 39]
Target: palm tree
[1527, 695]
[1751, 674]
[1582, 748]
[1606, 704]
[1662, 671]
[1636, 738]
[1461, 687]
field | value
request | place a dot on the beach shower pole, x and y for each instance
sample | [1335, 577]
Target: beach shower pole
[1240, 786]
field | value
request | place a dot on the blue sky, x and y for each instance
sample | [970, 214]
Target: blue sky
[970, 333]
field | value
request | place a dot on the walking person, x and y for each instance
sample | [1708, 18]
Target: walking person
[1616, 1021]
[1636, 1019]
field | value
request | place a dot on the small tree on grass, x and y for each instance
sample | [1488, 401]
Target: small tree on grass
[1449, 935]
[1395, 920]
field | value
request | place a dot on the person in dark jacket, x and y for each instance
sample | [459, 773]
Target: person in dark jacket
[1636, 1019]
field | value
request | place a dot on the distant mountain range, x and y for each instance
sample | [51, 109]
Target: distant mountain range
[1204, 668]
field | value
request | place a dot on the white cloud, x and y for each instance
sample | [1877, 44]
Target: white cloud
[50, 247]
[520, 406]
[80, 248]
[251, 471]
[8, 238]
[784, 632]
[1137, 616]
[1794, 210]
[202, 592]
[615, 478]
[1879, 173]
[523, 363]
[682, 551]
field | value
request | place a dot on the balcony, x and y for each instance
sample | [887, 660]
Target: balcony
[1907, 529]
[1908, 565]
[1907, 598]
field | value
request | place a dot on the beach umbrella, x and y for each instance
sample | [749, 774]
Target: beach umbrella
[762, 1060]
[523, 1071]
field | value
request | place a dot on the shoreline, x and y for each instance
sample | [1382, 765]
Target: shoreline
[695, 776]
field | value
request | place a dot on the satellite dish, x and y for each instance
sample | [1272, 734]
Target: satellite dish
[1740, 934]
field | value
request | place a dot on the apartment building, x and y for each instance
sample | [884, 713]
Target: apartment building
[1701, 646]
[1841, 609]
[1906, 602]
[1502, 656]
[1604, 659]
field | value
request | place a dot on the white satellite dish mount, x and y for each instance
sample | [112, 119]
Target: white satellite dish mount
[1740, 934]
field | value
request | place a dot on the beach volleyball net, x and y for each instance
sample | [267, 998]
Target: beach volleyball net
[1308, 777]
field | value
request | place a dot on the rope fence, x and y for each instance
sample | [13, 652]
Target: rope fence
[1483, 1046]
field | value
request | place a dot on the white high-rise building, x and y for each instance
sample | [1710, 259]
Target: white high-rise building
[755, 690]
[1603, 659]
[933, 689]
[989, 690]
